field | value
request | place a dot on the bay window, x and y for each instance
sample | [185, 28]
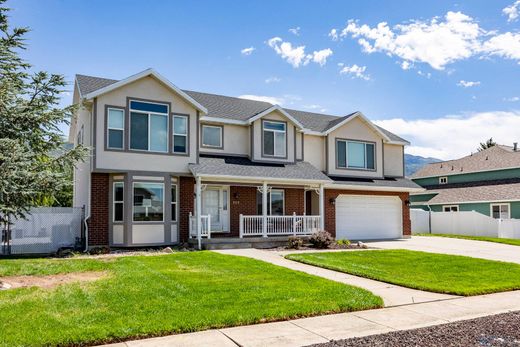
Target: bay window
[274, 138]
[148, 126]
[180, 134]
[355, 155]
[115, 128]
[148, 202]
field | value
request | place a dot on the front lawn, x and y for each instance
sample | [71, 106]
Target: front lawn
[439, 273]
[513, 242]
[158, 295]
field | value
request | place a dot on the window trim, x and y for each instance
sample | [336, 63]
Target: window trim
[500, 204]
[450, 207]
[336, 154]
[133, 204]
[445, 178]
[187, 135]
[286, 132]
[271, 200]
[114, 202]
[107, 132]
[148, 113]
[174, 219]
[221, 136]
[80, 136]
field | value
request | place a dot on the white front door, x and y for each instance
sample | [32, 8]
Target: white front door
[215, 204]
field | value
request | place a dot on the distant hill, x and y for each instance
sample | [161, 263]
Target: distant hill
[412, 163]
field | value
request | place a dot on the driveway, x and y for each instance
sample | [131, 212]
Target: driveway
[470, 248]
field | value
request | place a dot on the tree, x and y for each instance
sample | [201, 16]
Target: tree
[485, 145]
[30, 117]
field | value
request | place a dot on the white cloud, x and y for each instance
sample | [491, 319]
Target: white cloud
[296, 56]
[451, 137]
[505, 45]
[248, 50]
[512, 12]
[424, 74]
[272, 79]
[512, 99]
[333, 34]
[467, 84]
[295, 31]
[270, 99]
[355, 71]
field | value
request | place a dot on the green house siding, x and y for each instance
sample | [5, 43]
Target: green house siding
[480, 207]
[470, 177]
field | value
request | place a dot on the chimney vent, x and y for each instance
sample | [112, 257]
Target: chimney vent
[515, 146]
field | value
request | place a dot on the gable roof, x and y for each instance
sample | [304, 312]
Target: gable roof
[233, 109]
[498, 157]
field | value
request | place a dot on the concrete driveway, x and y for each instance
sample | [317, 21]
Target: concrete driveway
[475, 249]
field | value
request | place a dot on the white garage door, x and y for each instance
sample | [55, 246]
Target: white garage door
[361, 217]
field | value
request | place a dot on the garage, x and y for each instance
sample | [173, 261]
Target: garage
[368, 217]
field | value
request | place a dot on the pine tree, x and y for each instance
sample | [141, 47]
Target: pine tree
[485, 145]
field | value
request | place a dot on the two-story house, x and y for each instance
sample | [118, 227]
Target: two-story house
[487, 182]
[168, 165]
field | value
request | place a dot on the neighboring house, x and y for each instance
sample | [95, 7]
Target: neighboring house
[487, 182]
[161, 154]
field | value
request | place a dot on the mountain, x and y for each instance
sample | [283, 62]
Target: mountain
[412, 163]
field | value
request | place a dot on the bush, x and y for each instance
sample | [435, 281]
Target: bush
[321, 239]
[344, 242]
[294, 242]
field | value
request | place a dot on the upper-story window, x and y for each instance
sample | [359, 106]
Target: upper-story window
[443, 180]
[148, 126]
[180, 134]
[274, 138]
[355, 155]
[212, 136]
[116, 128]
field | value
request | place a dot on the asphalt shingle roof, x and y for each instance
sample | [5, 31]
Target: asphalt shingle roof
[237, 108]
[494, 192]
[398, 182]
[493, 158]
[243, 167]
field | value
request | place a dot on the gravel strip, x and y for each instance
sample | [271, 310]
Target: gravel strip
[498, 330]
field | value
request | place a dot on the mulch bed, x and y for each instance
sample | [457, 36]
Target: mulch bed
[498, 330]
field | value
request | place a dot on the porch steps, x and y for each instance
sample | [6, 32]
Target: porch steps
[237, 243]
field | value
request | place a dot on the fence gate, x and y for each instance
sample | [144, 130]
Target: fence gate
[45, 231]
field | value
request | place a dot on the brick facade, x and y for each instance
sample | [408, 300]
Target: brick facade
[243, 201]
[98, 222]
[330, 209]
[186, 201]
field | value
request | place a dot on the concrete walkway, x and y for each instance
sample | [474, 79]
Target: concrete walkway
[446, 245]
[306, 331]
[391, 294]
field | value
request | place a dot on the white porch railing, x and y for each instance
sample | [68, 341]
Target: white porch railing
[279, 225]
[205, 230]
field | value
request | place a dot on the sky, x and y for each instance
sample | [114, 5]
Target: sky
[444, 75]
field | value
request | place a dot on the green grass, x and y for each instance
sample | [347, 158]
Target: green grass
[513, 242]
[158, 295]
[439, 273]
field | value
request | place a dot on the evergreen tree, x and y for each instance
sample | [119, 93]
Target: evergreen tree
[488, 144]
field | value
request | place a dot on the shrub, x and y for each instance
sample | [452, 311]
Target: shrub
[294, 242]
[343, 242]
[321, 239]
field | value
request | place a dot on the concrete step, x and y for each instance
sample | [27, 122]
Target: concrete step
[239, 243]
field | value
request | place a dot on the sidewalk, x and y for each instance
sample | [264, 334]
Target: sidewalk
[306, 331]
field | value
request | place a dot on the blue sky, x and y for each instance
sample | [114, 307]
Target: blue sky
[443, 74]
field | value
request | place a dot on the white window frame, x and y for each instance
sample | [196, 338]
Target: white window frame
[274, 138]
[443, 180]
[450, 207]
[365, 143]
[110, 128]
[133, 204]
[148, 113]
[174, 218]
[114, 201]
[500, 209]
[178, 134]
[220, 136]
[80, 135]
[271, 200]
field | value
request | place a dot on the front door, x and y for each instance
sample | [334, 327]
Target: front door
[215, 204]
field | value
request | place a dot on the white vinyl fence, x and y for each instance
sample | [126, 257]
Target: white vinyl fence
[468, 223]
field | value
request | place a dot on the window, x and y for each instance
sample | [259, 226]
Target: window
[500, 211]
[450, 208]
[118, 198]
[148, 126]
[275, 203]
[148, 202]
[212, 136]
[443, 180]
[174, 202]
[180, 134]
[79, 138]
[115, 128]
[355, 155]
[275, 139]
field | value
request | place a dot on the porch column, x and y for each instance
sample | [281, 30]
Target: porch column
[198, 207]
[322, 207]
[264, 209]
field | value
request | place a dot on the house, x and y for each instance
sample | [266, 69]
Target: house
[170, 165]
[487, 182]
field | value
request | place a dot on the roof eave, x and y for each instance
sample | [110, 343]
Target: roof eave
[374, 188]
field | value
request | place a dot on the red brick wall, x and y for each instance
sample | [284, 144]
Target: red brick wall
[186, 198]
[294, 201]
[98, 222]
[243, 201]
[330, 210]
